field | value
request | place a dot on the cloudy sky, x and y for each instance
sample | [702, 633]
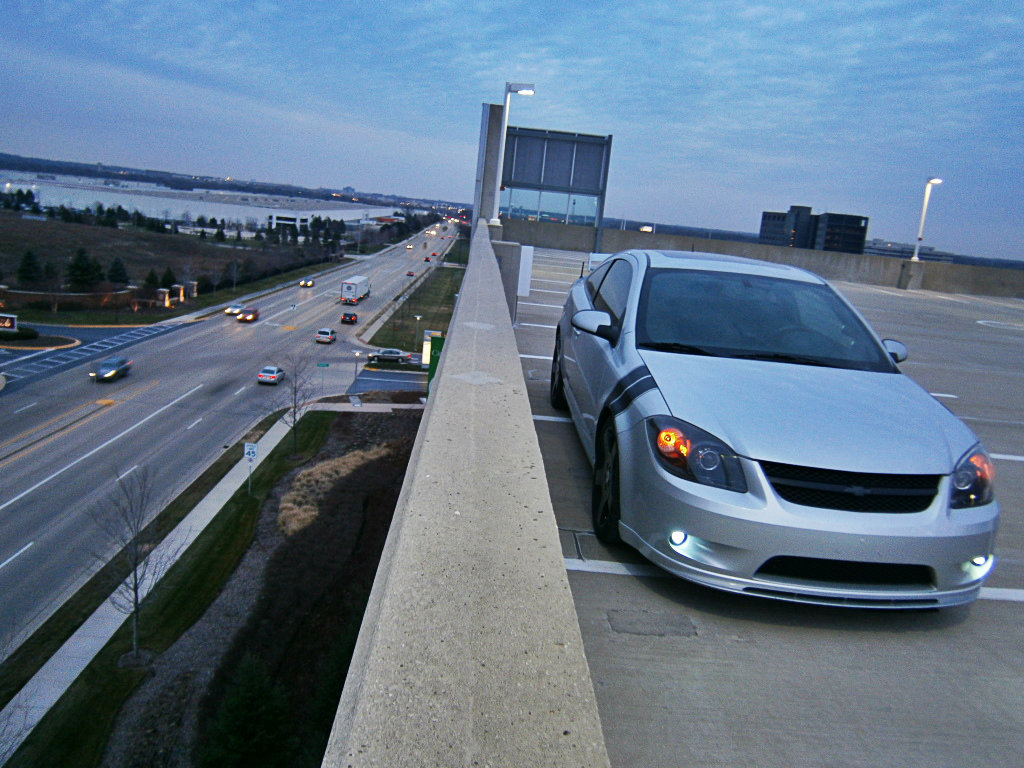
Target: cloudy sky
[719, 109]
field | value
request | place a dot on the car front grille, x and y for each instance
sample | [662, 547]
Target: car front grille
[852, 491]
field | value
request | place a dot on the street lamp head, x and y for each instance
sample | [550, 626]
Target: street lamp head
[935, 180]
[523, 89]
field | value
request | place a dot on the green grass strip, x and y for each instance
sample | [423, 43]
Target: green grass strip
[75, 731]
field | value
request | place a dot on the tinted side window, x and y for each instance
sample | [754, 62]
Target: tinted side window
[594, 279]
[614, 290]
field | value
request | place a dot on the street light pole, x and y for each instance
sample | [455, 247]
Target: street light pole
[524, 89]
[924, 210]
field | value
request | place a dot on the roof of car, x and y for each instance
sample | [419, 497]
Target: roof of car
[726, 263]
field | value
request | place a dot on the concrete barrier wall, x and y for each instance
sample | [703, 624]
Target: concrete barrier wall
[860, 268]
[470, 652]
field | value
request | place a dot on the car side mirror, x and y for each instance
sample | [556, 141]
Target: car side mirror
[897, 350]
[595, 322]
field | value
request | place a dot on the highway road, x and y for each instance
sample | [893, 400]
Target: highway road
[687, 676]
[191, 392]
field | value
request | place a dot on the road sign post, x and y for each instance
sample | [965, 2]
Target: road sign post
[250, 452]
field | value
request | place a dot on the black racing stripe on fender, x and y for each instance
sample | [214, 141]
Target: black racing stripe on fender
[629, 388]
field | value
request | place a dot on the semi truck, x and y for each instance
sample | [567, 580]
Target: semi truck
[355, 288]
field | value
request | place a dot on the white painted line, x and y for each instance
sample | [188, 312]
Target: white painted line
[614, 569]
[1000, 593]
[98, 448]
[16, 554]
[941, 394]
[558, 419]
[535, 325]
[535, 304]
[193, 423]
[556, 282]
[123, 475]
[26, 407]
[1006, 457]
[544, 290]
[240, 391]
[627, 569]
[536, 357]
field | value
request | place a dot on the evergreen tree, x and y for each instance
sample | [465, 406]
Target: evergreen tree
[168, 279]
[83, 272]
[152, 282]
[29, 271]
[117, 273]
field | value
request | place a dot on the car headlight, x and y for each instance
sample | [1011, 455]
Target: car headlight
[972, 479]
[693, 454]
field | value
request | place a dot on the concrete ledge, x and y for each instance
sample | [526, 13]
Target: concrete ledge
[470, 652]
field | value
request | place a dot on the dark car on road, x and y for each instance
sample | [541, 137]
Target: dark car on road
[113, 368]
[349, 318]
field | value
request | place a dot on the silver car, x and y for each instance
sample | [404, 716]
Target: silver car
[749, 432]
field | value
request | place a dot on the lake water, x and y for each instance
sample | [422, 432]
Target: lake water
[163, 203]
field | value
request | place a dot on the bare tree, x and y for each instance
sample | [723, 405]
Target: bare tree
[123, 519]
[299, 391]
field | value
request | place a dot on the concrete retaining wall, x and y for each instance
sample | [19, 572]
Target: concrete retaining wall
[860, 268]
[470, 652]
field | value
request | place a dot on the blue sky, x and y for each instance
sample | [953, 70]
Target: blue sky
[719, 109]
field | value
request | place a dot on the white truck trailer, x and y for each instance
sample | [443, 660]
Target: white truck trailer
[355, 288]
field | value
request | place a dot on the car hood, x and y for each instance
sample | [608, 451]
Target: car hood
[813, 416]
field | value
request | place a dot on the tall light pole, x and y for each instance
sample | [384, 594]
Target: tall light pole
[523, 89]
[924, 210]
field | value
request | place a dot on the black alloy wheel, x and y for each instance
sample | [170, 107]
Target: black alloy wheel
[604, 501]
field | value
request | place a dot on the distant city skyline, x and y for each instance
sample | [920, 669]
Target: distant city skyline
[719, 110]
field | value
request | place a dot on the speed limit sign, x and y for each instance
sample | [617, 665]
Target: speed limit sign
[250, 451]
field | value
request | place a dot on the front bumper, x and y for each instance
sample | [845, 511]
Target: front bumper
[757, 543]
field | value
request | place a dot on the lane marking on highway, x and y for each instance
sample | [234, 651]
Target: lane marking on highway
[26, 407]
[123, 475]
[1006, 457]
[1001, 325]
[629, 569]
[44, 425]
[194, 423]
[17, 554]
[99, 448]
[240, 391]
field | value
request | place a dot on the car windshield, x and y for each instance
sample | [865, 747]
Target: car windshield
[731, 314]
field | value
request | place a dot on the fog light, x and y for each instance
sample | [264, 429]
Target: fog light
[676, 538]
[979, 561]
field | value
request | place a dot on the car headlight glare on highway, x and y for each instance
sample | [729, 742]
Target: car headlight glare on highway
[973, 479]
[693, 454]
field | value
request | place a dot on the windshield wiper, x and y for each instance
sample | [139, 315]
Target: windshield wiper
[782, 357]
[675, 346]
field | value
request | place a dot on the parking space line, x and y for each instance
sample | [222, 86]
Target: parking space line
[536, 325]
[535, 357]
[1006, 457]
[557, 419]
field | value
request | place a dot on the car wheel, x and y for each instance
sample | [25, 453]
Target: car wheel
[604, 501]
[556, 393]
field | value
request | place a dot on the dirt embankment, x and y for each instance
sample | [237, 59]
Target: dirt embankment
[290, 610]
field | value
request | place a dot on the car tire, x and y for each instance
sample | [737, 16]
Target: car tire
[556, 392]
[605, 500]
